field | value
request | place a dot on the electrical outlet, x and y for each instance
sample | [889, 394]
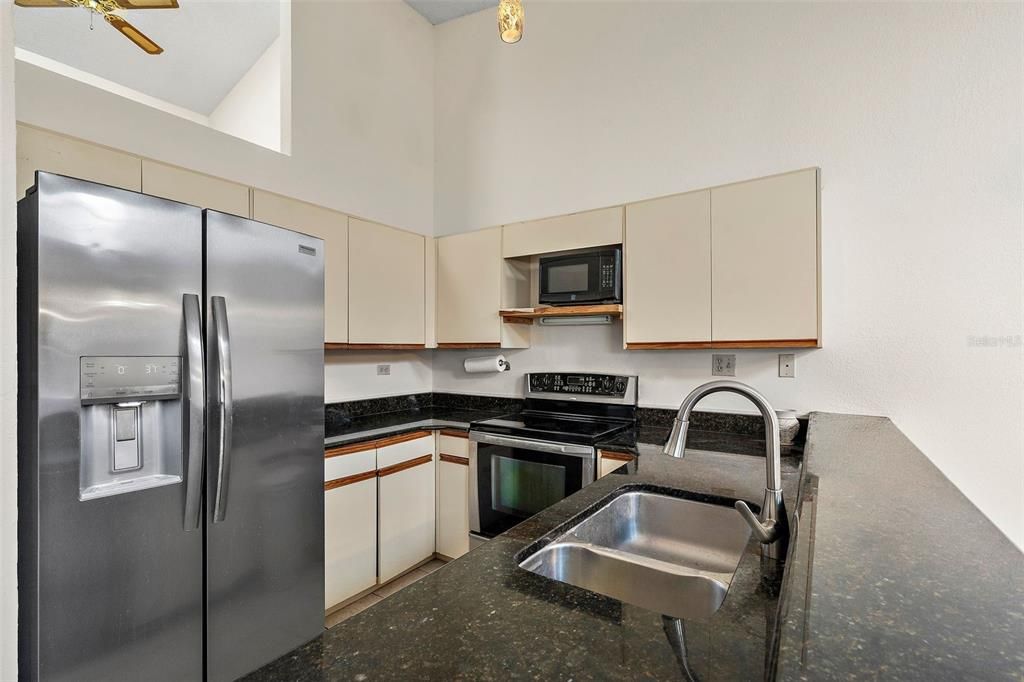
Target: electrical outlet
[383, 370]
[723, 365]
[787, 365]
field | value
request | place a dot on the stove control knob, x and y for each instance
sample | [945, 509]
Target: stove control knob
[620, 385]
[607, 384]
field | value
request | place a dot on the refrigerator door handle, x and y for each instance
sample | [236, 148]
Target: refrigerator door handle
[195, 418]
[225, 406]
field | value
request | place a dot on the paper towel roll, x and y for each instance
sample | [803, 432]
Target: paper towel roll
[496, 363]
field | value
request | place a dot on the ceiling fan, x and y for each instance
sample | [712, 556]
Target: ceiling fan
[107, 9]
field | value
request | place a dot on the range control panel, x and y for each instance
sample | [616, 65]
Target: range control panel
[603, 385]
[114, 379]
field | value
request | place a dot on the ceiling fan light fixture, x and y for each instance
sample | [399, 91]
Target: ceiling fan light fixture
[510, 20]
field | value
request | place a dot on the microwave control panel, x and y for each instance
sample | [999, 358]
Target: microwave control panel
[604, 385]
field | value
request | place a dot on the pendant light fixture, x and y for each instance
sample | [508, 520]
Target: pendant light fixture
[510, 20]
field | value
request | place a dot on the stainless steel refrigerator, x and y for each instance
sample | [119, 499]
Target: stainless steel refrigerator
[171, 427]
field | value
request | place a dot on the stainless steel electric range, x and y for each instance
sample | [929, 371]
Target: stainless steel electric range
[521, 464]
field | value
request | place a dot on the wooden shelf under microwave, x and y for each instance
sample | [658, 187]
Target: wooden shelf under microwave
[522, 316]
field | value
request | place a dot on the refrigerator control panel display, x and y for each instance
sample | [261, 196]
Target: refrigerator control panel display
[115, 379]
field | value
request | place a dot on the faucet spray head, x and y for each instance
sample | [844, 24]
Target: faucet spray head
[676, 445]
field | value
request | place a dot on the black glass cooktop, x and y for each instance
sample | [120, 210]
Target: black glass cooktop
[554, 427]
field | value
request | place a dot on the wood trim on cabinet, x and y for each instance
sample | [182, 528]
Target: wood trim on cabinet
[482, 344]
[402, 466]
[375, 346]
[519, 316]
[351, 448]
[455, 433]
[715, 345]
[374, 443]
[348, 480]
[454, 459]
[617, 456]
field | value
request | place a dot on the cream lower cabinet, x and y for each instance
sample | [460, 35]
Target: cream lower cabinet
[608, 462]
[328, 225]
[386, 278]
[452, 495]
[667, 278]
[189, 187]
[46, 151]
[350, 524]
[764, 260]
[405, 499]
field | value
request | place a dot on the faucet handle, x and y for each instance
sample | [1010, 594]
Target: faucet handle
[766, 531]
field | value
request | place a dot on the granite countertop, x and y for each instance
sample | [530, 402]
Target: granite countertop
[892, 574]
[482, 617]
[643, 440]
[354, 429]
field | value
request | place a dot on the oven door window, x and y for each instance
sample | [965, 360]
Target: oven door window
[514, 483]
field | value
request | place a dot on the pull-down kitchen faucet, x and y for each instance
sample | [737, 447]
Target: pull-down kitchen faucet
[772, 527]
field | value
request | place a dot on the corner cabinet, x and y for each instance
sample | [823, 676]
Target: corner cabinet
[405, 494]
[330, 226]
[386, 284]
[765, 260]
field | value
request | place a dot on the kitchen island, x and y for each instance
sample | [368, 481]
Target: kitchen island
[881, 581]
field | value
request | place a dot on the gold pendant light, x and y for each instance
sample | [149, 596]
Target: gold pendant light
[510, 20]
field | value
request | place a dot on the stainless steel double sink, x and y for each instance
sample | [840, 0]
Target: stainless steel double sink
[667, 554]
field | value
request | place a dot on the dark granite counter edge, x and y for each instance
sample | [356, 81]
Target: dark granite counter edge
[398, 429]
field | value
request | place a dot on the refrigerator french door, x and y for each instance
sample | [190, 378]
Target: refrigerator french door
[131, 433]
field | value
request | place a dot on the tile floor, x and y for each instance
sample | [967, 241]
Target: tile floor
[383, 591]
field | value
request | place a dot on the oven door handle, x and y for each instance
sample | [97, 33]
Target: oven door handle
[582, 451]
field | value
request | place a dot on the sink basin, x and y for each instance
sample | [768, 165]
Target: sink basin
[670, 555]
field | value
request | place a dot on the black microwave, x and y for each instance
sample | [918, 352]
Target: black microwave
[582, 277]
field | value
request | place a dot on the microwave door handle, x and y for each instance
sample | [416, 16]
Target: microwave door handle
[195, 410]
[225, 405]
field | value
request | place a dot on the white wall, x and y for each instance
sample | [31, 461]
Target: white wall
[8, 360]
[252, 109]
[352, 375]
[914, 114]
[362, 83]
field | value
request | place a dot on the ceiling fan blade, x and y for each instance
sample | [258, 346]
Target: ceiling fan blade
[41, 3]
[133, 34]
[148, 4]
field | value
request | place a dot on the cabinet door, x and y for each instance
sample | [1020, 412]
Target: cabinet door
[350, 522]
[46, 151]
[764, 262]
[386, 285]
[189, 187]
[330, 226]
[668, 270]
[350, 540]
[406, 527]
[561, 233]
[608, 462]
[469, 271]
[452, 496]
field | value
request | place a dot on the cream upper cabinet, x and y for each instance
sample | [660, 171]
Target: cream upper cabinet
[42, 150]
[764, 259]
[668, 270]
[386, 285]
[562, 233]
[469, 273]
[197, 189]
[430, 292]
[330, 226]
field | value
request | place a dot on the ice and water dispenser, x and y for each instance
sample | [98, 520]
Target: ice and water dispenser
[131, 424]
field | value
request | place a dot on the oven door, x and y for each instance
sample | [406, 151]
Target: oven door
[512, 479]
